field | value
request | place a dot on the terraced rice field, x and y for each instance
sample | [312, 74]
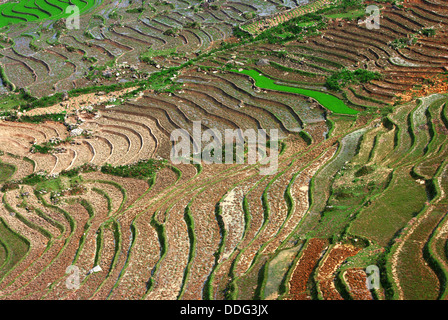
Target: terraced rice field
[28, 11]
[266, 22]
[89, 187]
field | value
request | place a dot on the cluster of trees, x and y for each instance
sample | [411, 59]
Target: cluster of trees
[288, 30]
[343, 78]
[144, 169]
[171, 32]
[403, 42]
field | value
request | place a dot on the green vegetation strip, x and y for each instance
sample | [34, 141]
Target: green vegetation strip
[16, 246]
[327, 100]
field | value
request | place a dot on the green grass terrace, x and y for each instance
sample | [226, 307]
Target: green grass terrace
[40, 10]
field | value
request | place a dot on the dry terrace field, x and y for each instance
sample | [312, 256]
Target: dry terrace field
[85, 139]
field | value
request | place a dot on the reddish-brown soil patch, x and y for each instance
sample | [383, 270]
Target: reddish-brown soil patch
[327, 271]
[356, 281]
[304, 268]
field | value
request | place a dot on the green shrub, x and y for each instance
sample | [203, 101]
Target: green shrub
[193, 25]
[90, 59]
[135, 10]
[171, 32]
[114, 15]
[365, 170]
[87, 167]
[249, 15]
[33, 179]
[56, 117]
[44, 149]
[429, 32]
[240, 33]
